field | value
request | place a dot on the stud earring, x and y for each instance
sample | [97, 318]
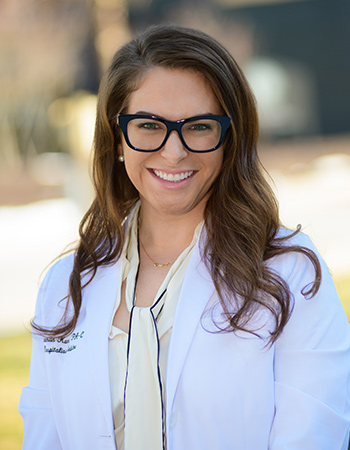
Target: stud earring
[121, 158]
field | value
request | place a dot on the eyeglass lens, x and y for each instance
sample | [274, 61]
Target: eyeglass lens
[149, 134]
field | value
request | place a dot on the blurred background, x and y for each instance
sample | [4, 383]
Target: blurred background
[296, 57]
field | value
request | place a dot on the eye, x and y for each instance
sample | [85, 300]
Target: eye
[149, 125]
[200, 127]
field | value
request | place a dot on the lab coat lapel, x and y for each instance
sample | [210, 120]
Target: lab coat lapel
[100, 298]
[197, 290]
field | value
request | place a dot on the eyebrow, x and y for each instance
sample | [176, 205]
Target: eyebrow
[147, 113]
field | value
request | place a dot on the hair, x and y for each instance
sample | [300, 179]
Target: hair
[241, 214]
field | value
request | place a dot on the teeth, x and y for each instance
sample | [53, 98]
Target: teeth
[172, 177]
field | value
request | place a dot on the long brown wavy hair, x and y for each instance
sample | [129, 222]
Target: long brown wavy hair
[241, 215]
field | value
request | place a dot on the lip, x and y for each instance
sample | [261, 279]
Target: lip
[175, 183]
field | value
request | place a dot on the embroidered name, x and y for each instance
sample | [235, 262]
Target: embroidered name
[59, 349]
[62, 345]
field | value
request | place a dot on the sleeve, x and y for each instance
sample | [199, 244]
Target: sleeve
[39, 426]
[312, 366]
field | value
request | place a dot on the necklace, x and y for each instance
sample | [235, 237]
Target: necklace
[154, 263]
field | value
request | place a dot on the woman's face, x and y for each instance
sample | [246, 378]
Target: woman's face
[172, 94]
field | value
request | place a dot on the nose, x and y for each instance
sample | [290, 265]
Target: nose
[173, 149]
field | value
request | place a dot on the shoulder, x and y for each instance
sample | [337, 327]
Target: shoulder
[53, 299]
[298, 270]
[295, 263]
[324, 310]
[57, 276]
[300, 238]
[53, 292]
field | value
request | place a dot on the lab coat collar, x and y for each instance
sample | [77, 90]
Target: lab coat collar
[197, 290]
[100, 298]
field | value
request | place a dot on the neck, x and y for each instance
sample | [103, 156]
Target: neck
[162, 232]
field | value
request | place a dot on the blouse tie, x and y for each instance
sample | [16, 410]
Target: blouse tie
[145, 406]
[139, 402]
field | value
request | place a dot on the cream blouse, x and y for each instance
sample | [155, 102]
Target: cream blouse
[118, 339]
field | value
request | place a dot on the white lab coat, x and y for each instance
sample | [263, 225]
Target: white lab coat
[223, 390]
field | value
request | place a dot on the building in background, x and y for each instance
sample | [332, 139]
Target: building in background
[295, 54]
[297, 51]
[53, 52]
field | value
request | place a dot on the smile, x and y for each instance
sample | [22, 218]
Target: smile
[173, 177]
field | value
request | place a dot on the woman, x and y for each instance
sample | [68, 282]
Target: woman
[188, 318]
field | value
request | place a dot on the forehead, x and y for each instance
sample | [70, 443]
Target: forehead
[173, 94]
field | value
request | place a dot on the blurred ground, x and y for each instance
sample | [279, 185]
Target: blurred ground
[30, 237]
[311, 179]
[312, 183]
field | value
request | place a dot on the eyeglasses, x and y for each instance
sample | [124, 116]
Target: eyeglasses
[200, 134]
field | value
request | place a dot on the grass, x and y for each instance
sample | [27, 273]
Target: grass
[343, 288]
[14, 368]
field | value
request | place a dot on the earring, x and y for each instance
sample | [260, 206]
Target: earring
[121, 158]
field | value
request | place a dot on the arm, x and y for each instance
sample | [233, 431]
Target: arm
[312, 367]
[39, 426]
[40, 432]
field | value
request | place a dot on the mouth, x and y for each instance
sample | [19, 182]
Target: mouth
[175, 178]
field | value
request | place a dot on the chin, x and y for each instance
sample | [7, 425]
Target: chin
[181, 208]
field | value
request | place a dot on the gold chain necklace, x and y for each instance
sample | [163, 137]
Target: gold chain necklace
[154, 263]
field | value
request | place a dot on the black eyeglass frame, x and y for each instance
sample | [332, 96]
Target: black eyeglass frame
[123, 120]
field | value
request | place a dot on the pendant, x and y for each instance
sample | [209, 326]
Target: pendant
[161, 265]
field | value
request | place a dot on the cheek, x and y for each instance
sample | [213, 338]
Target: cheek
[216, 161]
[129, 167]
[134, 165]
